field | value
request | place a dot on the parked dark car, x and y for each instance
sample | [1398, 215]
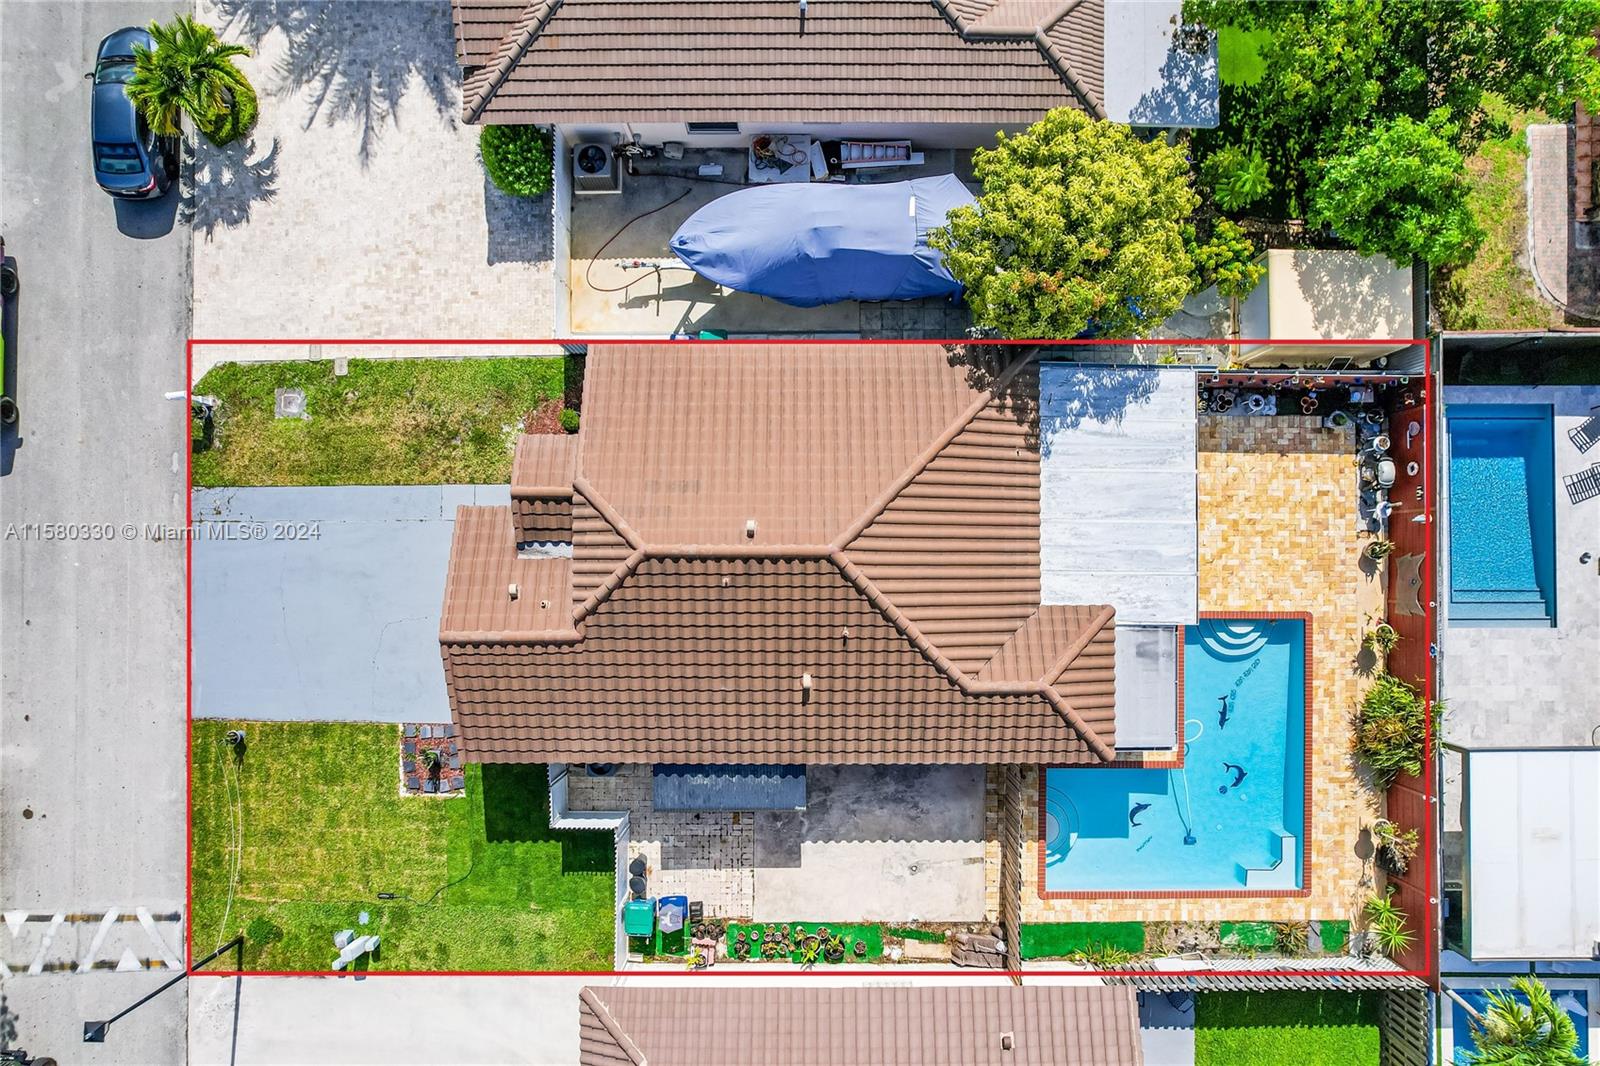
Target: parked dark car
[130, 162]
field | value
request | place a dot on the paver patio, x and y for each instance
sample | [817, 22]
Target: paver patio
[358, 208]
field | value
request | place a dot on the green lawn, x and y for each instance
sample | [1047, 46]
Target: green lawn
[1286, 1029]
[1495, 290]
[314, 821]
[386, 422]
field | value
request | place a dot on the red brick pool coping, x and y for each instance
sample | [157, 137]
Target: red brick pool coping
[1307, 656]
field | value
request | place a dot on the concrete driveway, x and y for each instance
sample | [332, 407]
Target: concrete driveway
[91, 630]
[323, 603]
[358, 208]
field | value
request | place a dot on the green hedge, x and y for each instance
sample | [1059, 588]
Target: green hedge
[1286, 1029]
[1049, 940]
[517, 158]
[927, 936]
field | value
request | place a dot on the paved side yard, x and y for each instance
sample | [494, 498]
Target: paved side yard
[358, 207]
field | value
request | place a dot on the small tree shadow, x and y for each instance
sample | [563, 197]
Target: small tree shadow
[356, 59]
[1188, 93]
[225, 184]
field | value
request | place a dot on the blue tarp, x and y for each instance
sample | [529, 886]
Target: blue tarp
[729, 787]
[820, 243]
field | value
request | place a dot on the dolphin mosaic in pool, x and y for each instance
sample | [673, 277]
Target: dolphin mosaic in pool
[1241, 825]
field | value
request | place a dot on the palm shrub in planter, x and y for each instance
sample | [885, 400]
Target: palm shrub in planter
[1390, 727]
[518, 159]
[1509, 1033]
[1382, 638]
[1386, 924]
[190, 72]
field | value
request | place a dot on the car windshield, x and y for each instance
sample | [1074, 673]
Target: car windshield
[117, 159]
[113, 71]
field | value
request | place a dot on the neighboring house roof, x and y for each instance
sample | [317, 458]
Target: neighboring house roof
[986, 61]
[961, 1025]
[893, 561]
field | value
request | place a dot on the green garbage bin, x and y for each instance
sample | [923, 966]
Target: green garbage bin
[639, 917]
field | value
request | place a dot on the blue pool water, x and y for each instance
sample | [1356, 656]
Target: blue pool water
[1575, 1001]
[1197, 830]
[1502, 514]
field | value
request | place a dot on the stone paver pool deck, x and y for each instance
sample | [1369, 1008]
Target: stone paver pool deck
[1278, 533]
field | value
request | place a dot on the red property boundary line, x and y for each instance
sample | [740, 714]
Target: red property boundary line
[1428, 835]
[1308, 660]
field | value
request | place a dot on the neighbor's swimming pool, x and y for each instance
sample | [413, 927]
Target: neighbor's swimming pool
[1234, 815]
[1502, 514]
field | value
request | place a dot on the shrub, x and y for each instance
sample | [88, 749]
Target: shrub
[1291, 938]
[517, 158]
[569, 420]
[1236, 178]
[1227, 260]
[190, 71]
[1387, 924]
[1390, 728]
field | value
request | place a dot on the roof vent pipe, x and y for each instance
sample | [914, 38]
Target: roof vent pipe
[805, 688]
[513, 591]
[750, 528]
[1007, 1041]
[802, 17]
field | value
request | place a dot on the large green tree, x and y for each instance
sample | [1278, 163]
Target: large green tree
[1339, 74]
[1511, 1033]
[190, 71]
[1400, 190]
[1079, 225]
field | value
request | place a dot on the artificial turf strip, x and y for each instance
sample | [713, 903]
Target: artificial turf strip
[927, 936]
[871, 934]
[1286, 1029]
[481, 882]
[385, 422]
[1248, 934]
[1051, 940]
[1335, 935]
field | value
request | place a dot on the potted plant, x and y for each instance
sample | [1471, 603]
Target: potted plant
[833, 949]
[1379, 549]
[861, 949]
[430, 761]
[810, 948]
[1381, 638]
[1396, 847]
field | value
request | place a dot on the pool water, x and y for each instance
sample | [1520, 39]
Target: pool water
[1195, 828]
[1502, 514]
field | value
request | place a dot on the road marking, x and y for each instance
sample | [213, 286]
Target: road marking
[37, 965]
[154, 934]
[99, 940]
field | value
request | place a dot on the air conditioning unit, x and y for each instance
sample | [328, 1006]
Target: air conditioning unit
[594, 169]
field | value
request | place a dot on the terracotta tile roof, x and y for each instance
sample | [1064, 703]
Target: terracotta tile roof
[986, 61]
[541, 486]
[939, 1025]
[894, 561]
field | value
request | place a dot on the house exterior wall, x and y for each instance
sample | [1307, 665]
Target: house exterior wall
[921, 134]
[561, 238]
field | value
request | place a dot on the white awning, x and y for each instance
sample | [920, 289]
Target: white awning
[1532, 821]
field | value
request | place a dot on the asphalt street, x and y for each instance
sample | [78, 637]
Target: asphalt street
[91, 628]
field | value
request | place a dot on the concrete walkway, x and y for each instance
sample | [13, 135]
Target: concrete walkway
[323, 603]
[1564, 252]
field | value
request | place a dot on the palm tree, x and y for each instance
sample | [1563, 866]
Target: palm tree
[190, 72]
[1508, 1033]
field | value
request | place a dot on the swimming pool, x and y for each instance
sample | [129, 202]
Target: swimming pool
[1502, 514]
[1233, 816]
